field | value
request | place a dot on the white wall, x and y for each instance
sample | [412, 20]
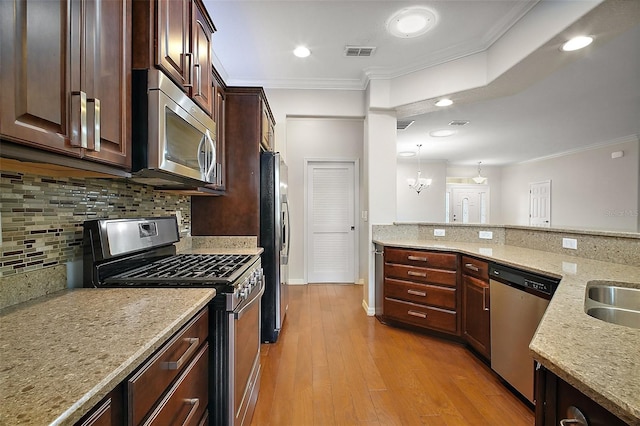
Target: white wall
[315, 138]
[319, 104]
[311, 103]
[589, 189]
[429, 205]
[380, 154]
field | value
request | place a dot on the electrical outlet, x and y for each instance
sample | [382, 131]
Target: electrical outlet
[570, 243]
[485, 235]
[178, 214]
[438, 232]
[364, 215]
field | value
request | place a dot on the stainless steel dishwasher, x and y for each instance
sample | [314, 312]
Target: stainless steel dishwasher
[518, 301]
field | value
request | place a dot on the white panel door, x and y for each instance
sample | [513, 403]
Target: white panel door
[540, 204]
[330, 222]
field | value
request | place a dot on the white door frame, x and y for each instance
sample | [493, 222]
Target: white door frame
[546, 182]
[356, 222]
[454, 187]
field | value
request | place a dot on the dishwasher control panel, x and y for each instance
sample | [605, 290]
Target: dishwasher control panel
[538, 286]
[542, 285]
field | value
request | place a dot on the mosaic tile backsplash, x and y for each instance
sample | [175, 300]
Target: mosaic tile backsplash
[42, 217]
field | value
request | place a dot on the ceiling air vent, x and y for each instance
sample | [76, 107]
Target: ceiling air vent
[403, 124]
[359, 51]
[458, 123]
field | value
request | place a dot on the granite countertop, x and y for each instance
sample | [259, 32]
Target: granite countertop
[600, 359]
[62, 353]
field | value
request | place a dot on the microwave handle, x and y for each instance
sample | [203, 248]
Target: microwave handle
[211, 167]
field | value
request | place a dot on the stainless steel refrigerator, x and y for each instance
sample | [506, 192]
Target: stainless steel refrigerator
[274, 238]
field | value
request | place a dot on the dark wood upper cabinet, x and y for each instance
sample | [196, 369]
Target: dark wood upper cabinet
[173, 39]
[219, 114]
[202, 89]
[182, 36]
[66, 77]
[238, 211]
[107, 80]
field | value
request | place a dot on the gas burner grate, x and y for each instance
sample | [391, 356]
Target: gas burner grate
[186, 268]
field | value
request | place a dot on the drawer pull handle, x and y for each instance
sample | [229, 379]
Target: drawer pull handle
[472, 267]
[193, 345]
[417, 274]
[417, 314]
[418, 258]
[417, 293]
[577, 417]
[195, 403]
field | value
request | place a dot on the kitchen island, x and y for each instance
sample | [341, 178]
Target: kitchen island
[62, 353]
[600, 359]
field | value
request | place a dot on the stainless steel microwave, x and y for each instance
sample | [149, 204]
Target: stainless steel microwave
[174, 141]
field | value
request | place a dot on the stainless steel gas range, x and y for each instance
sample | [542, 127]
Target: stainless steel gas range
[142, 253]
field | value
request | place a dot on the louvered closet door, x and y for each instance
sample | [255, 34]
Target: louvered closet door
[330, 222]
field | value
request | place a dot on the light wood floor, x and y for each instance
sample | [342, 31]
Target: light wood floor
[333, 365]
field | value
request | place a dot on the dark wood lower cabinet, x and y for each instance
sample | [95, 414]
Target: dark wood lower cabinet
[556, 400]
[476, 325]
[169, 388]
[108, 412]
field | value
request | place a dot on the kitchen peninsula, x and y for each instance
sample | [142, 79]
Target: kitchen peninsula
[597, 358]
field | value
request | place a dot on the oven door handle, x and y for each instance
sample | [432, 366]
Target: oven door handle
[256, 298]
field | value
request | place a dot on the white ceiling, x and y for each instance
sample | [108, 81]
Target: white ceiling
[592, 100]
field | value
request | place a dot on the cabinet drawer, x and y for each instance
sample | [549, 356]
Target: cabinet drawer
[419, 258]
[424, 275]
[420, 315]
[186, 402]
[421, 293]
[474, 267]
[147, 385]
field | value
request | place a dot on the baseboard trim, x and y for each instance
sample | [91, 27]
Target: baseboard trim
[370, 311]
[296, 282]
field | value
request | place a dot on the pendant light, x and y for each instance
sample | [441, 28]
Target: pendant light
[479, 179]
[419, 183]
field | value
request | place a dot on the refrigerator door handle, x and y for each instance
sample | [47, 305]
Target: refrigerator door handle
[286, 232]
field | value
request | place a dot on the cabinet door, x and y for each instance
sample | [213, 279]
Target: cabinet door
[202, 90]
[476, 324]
[106, 80]
[173, 37]
[35, 77]
[219, 118]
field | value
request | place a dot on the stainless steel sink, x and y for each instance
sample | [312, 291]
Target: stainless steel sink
[613, 302]
[626, 317]
[620, 297]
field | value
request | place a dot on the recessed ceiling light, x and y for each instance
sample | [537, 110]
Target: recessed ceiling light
[301, 52]
[444, 102]
[406, 154]
[411, 22]
[442, 133]
[577, 43]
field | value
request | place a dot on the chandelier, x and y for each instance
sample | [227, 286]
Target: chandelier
[419, 183]
[479, 179]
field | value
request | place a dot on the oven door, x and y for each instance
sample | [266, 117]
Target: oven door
[244, 357]
[181, 137]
